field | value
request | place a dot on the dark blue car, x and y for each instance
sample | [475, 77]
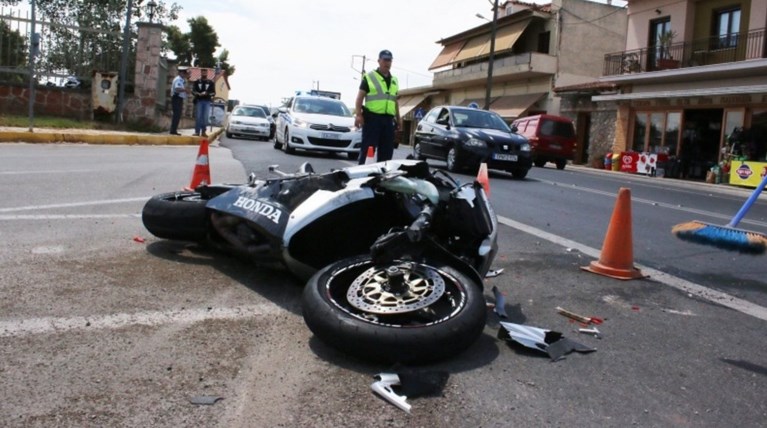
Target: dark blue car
[465, 137]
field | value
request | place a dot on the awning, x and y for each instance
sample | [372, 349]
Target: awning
[702, 92]
[506, 36]
[480, 102]
[447, 55]
[512, 106]
[474, 47]
[409, 103]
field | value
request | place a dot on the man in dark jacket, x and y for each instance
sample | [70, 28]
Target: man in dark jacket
[203, 90]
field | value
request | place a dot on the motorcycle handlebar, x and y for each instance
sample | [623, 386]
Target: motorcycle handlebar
[421, 223]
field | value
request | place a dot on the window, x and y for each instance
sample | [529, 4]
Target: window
[726, 27]
[432, 116]
[656, 132]
[543, 42]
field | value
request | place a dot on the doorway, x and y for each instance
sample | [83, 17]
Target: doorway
[700, 142]
[582, 128]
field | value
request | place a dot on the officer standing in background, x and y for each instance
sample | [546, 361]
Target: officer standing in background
[379, 118]
[203, 90]
[178, 91]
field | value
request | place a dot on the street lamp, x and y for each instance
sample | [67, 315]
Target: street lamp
[151, 6]
[489, 84]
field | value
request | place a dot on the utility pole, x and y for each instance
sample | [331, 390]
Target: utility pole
[489, 84]
[33, 50]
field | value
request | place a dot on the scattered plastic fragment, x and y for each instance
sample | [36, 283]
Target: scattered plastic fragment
[139, 239]
[205, 400]
[409, 384]
[492, 273]
[592, 331]
[635, 308]
[500, 303]
[551, 342]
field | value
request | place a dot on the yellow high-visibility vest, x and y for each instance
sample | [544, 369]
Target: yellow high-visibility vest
[378, 100]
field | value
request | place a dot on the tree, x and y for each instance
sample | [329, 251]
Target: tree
[13, 53]
[86, 35]
[198, 46]
[223, 60]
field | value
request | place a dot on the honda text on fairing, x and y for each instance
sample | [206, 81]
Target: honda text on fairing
[394, 252]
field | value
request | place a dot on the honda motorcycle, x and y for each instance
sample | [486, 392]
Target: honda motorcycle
[394, 252]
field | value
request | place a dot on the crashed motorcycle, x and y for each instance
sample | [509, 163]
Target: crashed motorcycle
[394, 252]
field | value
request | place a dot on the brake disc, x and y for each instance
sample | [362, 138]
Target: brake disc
[371, 291]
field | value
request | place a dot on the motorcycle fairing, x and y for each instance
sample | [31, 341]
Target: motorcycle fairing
[248, 203]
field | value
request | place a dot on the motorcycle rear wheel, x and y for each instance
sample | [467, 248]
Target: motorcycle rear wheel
[451, 318]
[178, 215]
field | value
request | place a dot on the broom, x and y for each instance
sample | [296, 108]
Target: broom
[726, 237]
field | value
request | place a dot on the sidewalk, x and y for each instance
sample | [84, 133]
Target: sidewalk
[95, 136]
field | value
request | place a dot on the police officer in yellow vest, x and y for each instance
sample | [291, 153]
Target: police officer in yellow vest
[379, 118]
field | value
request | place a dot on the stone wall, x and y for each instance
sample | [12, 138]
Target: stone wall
[602, 130]
[49, 101]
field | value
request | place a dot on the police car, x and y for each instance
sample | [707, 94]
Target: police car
[317, 123]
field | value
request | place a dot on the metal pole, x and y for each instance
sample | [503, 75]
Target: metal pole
[32, 70]
[489, 84]
[124, 63]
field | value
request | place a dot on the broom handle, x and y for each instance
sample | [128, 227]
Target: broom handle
[750, 201]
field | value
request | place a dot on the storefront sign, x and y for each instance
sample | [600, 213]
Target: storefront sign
[748, 174]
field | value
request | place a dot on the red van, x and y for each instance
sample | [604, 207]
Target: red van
[552, 138]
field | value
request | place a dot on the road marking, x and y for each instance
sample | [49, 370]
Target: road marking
[26, 327]
[50, 171]
[688, 287]
[65, 216]
[660, 204]
[74, 204]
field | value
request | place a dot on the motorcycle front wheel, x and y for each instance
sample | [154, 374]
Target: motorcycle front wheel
[401, 312]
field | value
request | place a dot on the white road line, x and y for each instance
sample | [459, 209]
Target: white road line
[49, 171]
[74, 204]
[65, 216]
[697, 290]
[661, 204]
[18, 328]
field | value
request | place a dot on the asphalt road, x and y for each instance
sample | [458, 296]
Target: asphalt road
[98, 328]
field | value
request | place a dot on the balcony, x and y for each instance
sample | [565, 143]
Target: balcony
[514, 67]
[712, 50]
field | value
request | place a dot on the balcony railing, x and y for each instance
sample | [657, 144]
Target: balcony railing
[712, 50]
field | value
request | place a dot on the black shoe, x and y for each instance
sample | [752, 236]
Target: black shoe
[174, 133]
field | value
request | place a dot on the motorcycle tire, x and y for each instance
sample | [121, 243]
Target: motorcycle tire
[438, 331]
[179, 216]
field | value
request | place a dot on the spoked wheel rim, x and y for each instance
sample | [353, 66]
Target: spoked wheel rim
[451, 158]
[417, 151]
[424, 295]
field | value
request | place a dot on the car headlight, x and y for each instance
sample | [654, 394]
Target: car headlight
[525, 147]
[473, 142]
[300, 123]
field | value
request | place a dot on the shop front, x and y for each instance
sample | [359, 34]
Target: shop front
[699, 137]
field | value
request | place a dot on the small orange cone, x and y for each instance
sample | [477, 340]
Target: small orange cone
[617, 258]
[201, 173]
[370, 155]
[483, 179]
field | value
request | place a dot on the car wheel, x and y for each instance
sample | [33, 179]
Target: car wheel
[286, 145]
[452, 160]
[353, 156]
[417, 151]
[561, 163]
[539, 163]
[229, 134]
[519, 174]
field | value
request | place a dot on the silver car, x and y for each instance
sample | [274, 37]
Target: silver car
[248, 120]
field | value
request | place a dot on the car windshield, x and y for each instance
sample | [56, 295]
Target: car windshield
[321, 106]
[473, 118]
[249, 111]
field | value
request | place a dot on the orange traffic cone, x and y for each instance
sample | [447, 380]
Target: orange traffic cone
[370, 155]
[201, 173]
[483, 179]
[617, 258]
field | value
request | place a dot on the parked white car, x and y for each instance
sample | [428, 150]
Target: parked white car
[319, 124]
[247, 120]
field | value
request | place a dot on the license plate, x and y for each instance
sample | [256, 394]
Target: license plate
[505, 157]
[330, 136]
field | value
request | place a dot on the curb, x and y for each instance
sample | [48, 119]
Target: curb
[117, 139]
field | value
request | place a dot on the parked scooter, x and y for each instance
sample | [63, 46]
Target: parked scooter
[394, 252]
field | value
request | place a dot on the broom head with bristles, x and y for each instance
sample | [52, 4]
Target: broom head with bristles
[726, 238]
